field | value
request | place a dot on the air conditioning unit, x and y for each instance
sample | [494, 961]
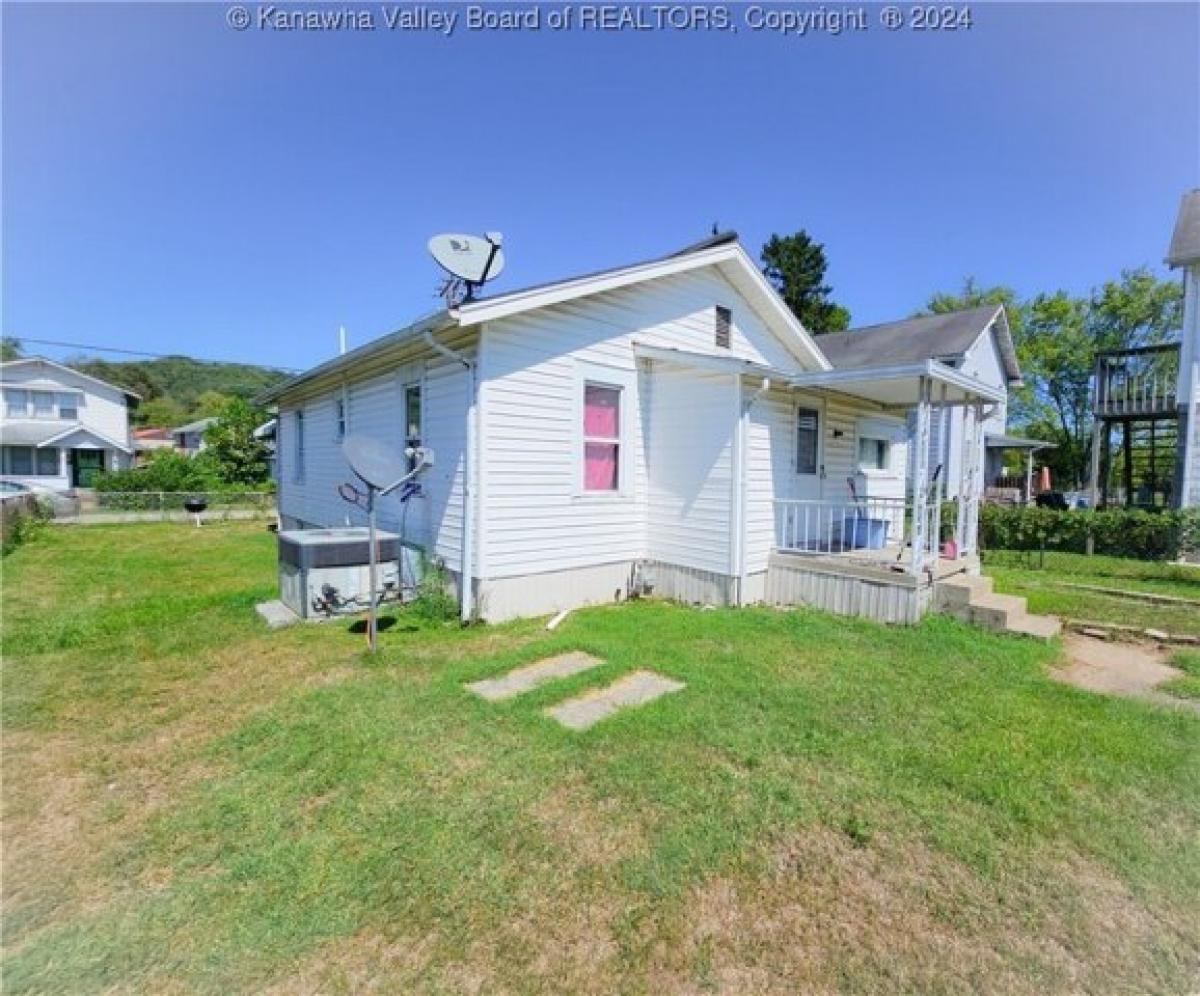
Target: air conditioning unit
[309, 559]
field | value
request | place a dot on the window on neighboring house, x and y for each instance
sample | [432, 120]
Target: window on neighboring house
[808, 429]
[298, 469]
[47, 463]
[43, 404]
[341, 418]
[68, 407]
[412, 420]
[724, 320]
[601, 437]
[874, 453]
[20, 460]
[16, 403]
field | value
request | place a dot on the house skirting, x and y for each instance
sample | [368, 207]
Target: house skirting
[846, 589]
[499, 599]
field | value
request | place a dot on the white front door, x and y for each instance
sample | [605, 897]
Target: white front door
[808, 449]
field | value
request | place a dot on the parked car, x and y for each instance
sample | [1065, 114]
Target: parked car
[56, 500]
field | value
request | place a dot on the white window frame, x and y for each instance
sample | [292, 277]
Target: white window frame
[69, 401]
[37, 456]
[47, 411]
[625, 381]
[808, 405]
[339, 417]
[298, 447]
[887, 430]
[10, 410]
[417, 385]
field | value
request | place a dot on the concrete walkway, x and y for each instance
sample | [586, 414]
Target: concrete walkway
[525, 679]
[632, 690]
[1128, 669]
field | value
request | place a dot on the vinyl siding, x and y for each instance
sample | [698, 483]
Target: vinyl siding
[376, 408]
[534, 519]
[101, 409]
[689, 508]
[771, 461]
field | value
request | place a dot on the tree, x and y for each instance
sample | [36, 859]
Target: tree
[795, 265]
[211, 403]
[239, 457]
[11, 348]
[1057, 336]
[166, 413]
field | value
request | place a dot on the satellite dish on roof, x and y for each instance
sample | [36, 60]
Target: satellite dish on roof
[376, 464]
[471, 262]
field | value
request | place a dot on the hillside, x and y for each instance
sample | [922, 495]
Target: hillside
[175, 389]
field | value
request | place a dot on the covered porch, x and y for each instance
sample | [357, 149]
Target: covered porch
[804, 501]
[920, 533]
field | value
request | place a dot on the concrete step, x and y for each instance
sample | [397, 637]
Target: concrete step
[1037, 627]
[956, 592]
[994, 611]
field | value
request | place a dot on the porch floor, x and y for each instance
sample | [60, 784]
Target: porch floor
[891, 560]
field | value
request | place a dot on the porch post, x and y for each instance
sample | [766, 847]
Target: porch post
[974, 491]
[1029, 477]
[964, 481]
[920, 523]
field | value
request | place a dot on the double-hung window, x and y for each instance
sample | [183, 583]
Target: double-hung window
[298, 469]
[16, 403]
[47, 463]
[340, 415]
[601, 437]
[808, 440]
[412, 422]
[68, 407]
[43, 404]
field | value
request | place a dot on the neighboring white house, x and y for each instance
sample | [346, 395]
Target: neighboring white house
[668, 424]
[977, 342]
[189, 438]
[59, 427]
[1184, 254]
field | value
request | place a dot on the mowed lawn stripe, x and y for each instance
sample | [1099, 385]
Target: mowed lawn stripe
[831, 805]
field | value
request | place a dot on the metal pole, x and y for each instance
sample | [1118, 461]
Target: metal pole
[371, 558]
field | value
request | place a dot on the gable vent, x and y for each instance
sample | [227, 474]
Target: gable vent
[724, 318]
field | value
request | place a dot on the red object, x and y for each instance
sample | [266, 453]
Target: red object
[1044, 479]
[950, 550]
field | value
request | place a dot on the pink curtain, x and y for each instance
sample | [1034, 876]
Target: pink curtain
[600, 466]
[601, 420]
[601, 412]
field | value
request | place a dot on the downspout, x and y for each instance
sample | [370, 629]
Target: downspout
[743, 441]
[467, 555]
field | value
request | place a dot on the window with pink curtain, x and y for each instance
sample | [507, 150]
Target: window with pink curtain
[601, 437]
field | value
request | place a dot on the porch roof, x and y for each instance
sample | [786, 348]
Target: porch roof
[900, 385]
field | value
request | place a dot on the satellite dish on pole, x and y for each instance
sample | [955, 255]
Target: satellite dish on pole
[375, 463]
[471, 262]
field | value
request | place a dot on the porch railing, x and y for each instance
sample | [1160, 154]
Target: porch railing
[875, 529]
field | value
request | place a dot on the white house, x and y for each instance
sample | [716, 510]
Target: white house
[977, 342]
[1184, 254]
[59, 427]
[189, 438]
[666, 425]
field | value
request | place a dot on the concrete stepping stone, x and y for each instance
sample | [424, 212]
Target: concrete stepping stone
[527, 678]
[632, 690]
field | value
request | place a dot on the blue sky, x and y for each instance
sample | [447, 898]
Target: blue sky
[172, 185]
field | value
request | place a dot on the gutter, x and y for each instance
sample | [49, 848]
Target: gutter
[467, 551]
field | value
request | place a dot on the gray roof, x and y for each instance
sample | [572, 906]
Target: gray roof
[997, 441]
[33, 433]
[198, 426]
[945, 337]
[1185, 242]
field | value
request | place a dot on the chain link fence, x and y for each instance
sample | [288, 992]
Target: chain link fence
[160, 506]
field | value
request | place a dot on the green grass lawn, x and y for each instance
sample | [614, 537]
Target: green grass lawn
[195, 804]
[1040, 581]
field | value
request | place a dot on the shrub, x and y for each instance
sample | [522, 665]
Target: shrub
[21, 520]
[1144, 535]
[435, 599]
